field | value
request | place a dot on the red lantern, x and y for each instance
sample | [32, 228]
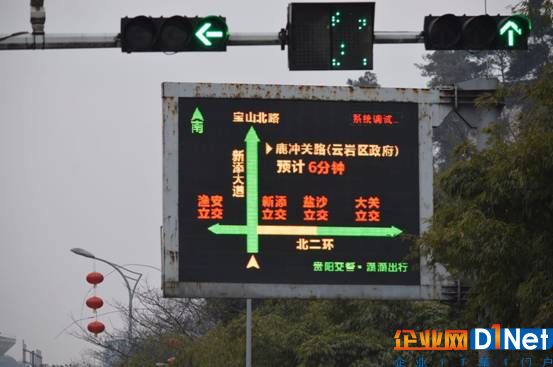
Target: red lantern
[96, 327]
[95, 278]
[94, 302]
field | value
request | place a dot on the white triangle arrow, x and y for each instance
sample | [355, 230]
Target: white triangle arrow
[252, 263]
[268, 148]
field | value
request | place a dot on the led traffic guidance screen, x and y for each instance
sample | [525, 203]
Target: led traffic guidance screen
[285, 191]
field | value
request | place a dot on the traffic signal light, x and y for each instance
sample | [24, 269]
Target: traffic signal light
[330, 36]
[173, 34]
[480, 32]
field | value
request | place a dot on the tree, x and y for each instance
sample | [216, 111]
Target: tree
[311, 333]
[493, 225]
[366, 80]
[161, 327]
[449, 67]
[224, 309]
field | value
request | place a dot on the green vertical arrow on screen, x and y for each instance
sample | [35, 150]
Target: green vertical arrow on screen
[197, 116]
[252, 197]
[197, 122]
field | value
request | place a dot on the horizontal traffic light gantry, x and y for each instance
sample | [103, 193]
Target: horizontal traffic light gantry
[326, 36]
[173, 34]
[479, 32]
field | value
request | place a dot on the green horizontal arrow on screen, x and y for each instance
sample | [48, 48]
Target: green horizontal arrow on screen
[307, 230]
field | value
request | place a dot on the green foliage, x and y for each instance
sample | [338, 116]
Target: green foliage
[223, 309]
[493, 225]
[335, 348]
[536, 114]
[156, 349]
[316, 333]
[220, 347]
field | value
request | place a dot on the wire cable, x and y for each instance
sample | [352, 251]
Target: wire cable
[13, 35]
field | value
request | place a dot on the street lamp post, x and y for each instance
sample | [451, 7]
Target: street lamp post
[135, 277]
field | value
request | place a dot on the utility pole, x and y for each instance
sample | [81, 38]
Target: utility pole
[248, 332]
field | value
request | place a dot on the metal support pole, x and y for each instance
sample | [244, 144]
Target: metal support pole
[398, 37]
[129, 289]
[249, 332]
[26, 41]
[57, 41]
[254, 39]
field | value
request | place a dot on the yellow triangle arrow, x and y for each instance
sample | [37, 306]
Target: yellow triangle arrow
[268, 148]
[252, 263]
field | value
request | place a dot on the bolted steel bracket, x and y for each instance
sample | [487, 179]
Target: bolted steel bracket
[38, 16]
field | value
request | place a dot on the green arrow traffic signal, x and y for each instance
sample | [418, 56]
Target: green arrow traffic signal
[476, 32]
[510, 28]
[212, 32]
[204, 35]
[173, 34]
[514, 29]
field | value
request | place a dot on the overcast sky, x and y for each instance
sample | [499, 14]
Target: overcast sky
[80, 144]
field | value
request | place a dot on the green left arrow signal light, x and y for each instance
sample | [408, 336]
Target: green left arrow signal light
[174, 34]
[212, 33]
[205, 35]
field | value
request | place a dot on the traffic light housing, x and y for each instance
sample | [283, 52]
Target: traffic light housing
[173, 34]
[479, 32]
[330, 36]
